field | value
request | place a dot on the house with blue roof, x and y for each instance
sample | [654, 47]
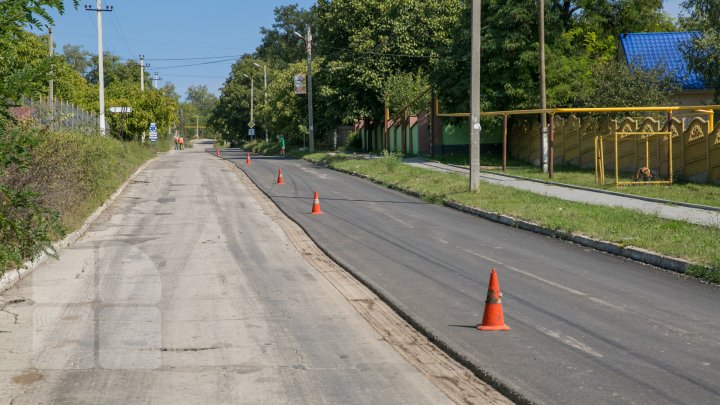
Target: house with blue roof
[652, 49]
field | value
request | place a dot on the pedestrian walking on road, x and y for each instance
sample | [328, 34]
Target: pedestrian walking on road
[282, 145]
[181, 141]
[176, 140]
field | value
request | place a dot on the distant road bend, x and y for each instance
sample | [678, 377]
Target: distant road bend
[587, 327]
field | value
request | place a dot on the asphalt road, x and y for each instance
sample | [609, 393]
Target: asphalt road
[587, 327]
[185, 292]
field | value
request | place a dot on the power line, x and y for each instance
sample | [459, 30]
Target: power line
[195, 64]
[197, 58]
[121, 36]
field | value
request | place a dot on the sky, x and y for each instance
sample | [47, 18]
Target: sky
[216, 31]
[207, 34]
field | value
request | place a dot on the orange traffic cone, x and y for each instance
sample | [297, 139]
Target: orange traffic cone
[493, 318]
[316, 205]
[280, 179]
[247, 161]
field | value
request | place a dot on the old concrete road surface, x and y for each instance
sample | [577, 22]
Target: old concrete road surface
[185, 292]
[587, 327]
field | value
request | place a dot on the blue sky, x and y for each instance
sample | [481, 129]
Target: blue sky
[181, 29]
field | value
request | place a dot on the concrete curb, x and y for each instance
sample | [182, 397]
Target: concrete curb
[12, 277]
[593, 190]
[634, 253]
[630, 252]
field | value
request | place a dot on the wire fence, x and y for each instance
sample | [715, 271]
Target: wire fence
[55, 114]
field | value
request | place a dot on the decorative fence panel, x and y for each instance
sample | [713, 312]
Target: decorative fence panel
[696, 144]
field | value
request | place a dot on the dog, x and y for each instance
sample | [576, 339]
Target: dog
[643, 173]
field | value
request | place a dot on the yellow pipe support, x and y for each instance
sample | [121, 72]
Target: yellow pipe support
[617, 163]
[647, 153]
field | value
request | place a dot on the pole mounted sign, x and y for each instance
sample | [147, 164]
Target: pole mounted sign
[153, 132]
[251, 124]
[251, 132]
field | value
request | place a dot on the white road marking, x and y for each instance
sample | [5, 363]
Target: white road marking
[570, 341]
[525, 273]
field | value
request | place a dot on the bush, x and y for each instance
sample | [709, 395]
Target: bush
[391, 160]
[52, 182]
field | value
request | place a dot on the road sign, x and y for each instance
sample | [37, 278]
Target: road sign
[121, 110]
[153, 132]
[251, 132]
[251, 124]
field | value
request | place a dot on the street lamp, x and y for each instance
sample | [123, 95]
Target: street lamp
[308, 47]
[264, 66]
[252, 98]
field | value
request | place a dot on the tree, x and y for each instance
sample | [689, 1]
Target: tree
[232, 112]
[16, 77]
[168, 89]
[280, 46]
[77, 57]
[366, 42]
[114, 70]
[201, 98]
[703, 52]
[148, 106]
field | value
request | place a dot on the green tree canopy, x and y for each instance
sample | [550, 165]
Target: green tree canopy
[703, 52]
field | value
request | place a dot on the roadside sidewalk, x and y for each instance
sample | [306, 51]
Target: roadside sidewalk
[694, 215]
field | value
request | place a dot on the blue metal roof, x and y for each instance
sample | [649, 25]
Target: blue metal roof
[652, 49]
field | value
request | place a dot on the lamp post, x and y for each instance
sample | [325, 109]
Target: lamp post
[264, 66]
[252, 98]
[308, 47]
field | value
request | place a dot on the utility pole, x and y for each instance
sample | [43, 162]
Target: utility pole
[543, 105]
[265, 96]
[252, 99]
[143, 65]
[264, 66]
[101, 79]
[475, 97]
[308, 47]
[156, 80]
[51, 91]
[197, 126]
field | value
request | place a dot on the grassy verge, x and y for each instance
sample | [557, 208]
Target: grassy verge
[622, 226]
[681, 191]
[67, 174]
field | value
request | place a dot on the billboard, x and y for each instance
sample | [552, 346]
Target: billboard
[299, 82]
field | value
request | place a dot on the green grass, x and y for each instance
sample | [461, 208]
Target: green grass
[75, 173]
[705, 194]
[65, 176]
[626, 227]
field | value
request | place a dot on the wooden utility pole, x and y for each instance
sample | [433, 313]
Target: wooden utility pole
[475, 97]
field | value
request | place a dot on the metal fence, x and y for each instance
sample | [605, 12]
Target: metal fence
[57, 114]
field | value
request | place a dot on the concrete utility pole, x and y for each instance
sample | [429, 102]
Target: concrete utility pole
[475, 97]
[264, 66]
[308, 48]
[143, 65]
[156, 80]
[543, 105]
[101, 78]
[51, 91]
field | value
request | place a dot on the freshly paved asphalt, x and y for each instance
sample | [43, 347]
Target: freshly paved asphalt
[184, 291]
[670, 211]
[587, 327]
